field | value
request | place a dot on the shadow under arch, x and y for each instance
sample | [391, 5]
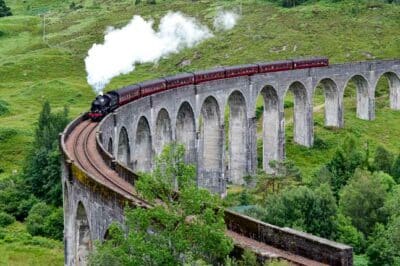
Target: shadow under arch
[362, 96]
[143, 146]
[124, 151]
[302, 115]
[211, 146]
[186, 131]
[393, 80]
[270, 126]
[163, 130]
[237, 136]
[83, 238]
[331, 105]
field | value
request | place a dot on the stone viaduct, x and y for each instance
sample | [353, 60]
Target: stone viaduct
[194, 115]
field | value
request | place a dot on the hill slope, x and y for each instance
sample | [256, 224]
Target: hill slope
[43, 45]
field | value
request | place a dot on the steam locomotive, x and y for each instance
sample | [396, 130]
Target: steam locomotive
[104, 104]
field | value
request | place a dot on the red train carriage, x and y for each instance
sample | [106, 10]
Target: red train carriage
[128, 94]
[243, 70]
[208, 75]
[179, 80]
[104, 104]
[151, 87]
[275, 66]
[308, 63]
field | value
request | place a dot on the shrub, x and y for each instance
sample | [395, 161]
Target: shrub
[6, 219]
[4, 9]
[15, 198]
[3, 104]
[44, 220]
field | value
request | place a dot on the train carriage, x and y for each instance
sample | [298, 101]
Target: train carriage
[179, 80]
[308, 63]
[275, 66]
[128, 94]
[208, 75]
[151, 87]
[104, 104]
[242, 70]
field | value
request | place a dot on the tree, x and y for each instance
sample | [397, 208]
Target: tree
[15, 197]
[384, 244]
[42, 171]
[348, 234]
[45, 220]
[362, 200]
[283, 174]
[348, 157]
[383, 160]
[4, 9]
[305, 209]
[180, 229]
[392, 202]
[395, 172]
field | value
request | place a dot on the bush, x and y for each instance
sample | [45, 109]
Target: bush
[44, 220]
[3, 104]
[15, 198]
[4, 10]
[6, 219]
[302, 208]
[383, 160]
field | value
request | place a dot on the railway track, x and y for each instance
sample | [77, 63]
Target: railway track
[81, 145]
[81, 148]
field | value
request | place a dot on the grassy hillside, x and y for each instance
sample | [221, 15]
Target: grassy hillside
[34, 68]
[43, 45]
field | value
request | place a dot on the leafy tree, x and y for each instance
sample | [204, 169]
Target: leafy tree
[384, 244]
[45, 220]
[15, 198]
[6, 219]
[170, 172]
[348, 157]
[322, 176]
[395, 172]
[303, 208]
[248, 259]
[283, 174]
[392, 203]
[179, 229]
[42, 171]
[362, 200]
[4, 9]
[383, 160]
[348, 234]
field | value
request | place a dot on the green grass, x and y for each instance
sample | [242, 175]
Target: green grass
[34, 69]
[17, 247]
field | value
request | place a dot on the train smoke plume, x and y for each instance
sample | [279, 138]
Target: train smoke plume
[138, 42]
[225, 20]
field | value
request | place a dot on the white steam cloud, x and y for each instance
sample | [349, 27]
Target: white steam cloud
[138, 42]
[225, 20]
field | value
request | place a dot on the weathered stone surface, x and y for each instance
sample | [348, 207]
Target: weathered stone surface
[194, 116]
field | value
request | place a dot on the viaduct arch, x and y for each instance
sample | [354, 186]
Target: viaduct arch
[194, 115]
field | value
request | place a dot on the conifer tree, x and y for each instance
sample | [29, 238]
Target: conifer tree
[4, 10]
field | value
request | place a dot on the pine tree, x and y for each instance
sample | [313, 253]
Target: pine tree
[4, 10]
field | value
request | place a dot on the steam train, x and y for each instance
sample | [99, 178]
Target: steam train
[104, 104]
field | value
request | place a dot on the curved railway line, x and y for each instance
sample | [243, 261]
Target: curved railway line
[101, 180]
[80, 146]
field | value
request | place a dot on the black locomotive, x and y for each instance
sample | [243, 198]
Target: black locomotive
[104, 104]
